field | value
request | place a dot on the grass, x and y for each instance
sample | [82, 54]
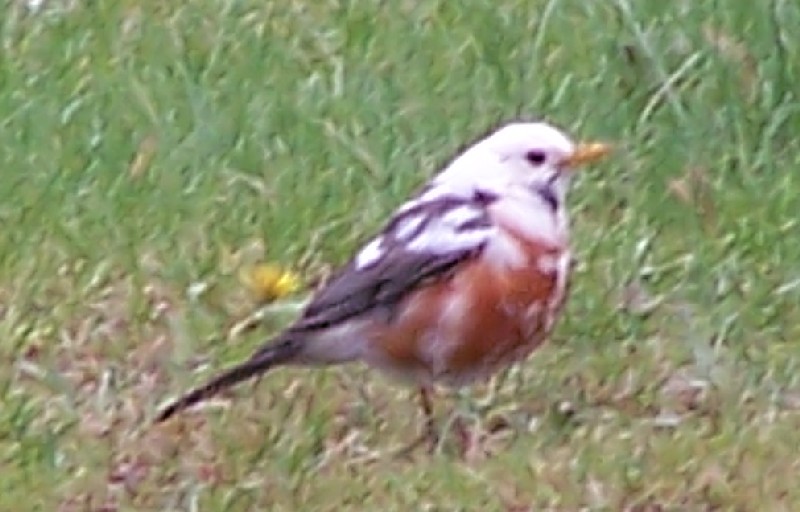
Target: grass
[150, 149]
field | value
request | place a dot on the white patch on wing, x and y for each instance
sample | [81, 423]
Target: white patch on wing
[370, 254]
[407, 226]
[441, 238]
[461, 215]
[408, 205]
[440, 190]
[445, 233]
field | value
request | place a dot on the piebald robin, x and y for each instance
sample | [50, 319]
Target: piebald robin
[465, 279]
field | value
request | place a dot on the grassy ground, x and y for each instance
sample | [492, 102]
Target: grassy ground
[151, 148]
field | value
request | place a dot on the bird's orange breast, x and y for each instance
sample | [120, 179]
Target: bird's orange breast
[483, 317]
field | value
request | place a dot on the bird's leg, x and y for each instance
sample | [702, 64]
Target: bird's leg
[465, 423]
[430, 423]
[429, 434]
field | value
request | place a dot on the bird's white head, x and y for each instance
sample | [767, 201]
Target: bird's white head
[536, 156]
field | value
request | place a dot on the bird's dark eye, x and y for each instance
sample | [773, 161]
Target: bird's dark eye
[536, 157]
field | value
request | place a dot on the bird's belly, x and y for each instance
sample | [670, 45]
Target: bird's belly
[465, 328]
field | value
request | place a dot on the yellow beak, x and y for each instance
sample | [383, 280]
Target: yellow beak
[586, 153]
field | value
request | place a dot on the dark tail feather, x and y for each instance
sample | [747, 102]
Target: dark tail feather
[271, 355]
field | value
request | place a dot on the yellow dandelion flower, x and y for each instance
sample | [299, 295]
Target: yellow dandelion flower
[270, 282]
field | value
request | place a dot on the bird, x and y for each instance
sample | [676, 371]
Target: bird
[465, 279]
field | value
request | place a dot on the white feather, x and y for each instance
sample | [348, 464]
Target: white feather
[442, 238]
[461, 215]
[504, 251]
[370, 254]
[408, 226]
[526, 214]
[548, 264]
